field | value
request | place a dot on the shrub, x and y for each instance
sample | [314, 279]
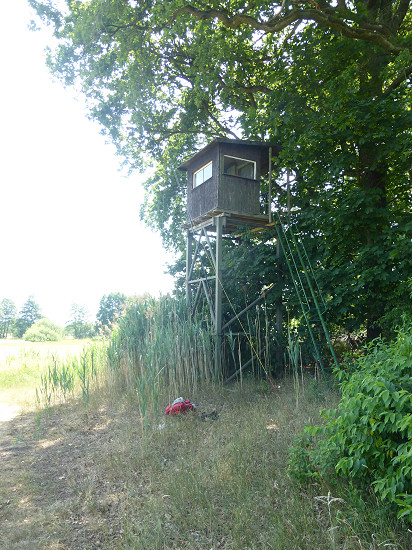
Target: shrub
[370, 432]
[44, 331]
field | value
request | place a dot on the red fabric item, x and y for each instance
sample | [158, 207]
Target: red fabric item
[179, 408]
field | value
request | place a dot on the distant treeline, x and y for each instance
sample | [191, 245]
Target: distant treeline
[29, 323]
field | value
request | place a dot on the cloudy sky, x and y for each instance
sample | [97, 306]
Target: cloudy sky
[69, 221]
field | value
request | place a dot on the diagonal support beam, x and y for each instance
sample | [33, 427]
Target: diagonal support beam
[261, 297]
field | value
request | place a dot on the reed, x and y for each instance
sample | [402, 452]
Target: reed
[295, 362]
[158, 348]
[65, 377]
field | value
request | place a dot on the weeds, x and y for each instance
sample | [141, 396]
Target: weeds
[22, 365]
[224, 483]
[295, 363]
[221, 484]
[156, 348]
[63, 377]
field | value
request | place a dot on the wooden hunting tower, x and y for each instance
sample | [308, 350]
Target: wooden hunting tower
[224, 177]
[223, 194]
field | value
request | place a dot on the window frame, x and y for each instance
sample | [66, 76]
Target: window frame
[243, 159]
[202, 169]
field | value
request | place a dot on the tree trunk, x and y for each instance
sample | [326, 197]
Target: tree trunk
[373, 173]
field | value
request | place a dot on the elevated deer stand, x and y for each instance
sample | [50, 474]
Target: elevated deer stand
[223, 194]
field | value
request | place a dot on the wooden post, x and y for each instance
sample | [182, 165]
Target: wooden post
[188, 265]
[270, 186]
[279, 312]
[218, 221]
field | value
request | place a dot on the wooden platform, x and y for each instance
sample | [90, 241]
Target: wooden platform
[234, 221]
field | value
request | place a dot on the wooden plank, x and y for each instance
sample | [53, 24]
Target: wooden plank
[234, 220]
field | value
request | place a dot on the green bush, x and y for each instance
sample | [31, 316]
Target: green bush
[44, 331]
[370, 433]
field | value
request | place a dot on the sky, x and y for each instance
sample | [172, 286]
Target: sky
[69, 219]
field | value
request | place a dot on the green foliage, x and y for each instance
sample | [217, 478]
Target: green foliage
[363, 278]
[374, 425]
[369, 435]
[110, 308]
[44, 331]
[7, 316]
[301, 460]
[330, 85]
[29, 314]
[312, 456]
[78, 325]
[351, 177]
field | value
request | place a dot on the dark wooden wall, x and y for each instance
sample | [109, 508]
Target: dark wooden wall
[223, 192]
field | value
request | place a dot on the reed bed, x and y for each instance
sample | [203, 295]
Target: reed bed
[64, 378]
[27, 366]
[156, 348]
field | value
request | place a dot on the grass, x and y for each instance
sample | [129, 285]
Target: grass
[224, 484]
[104, 468]
[96, 478]
[22, 365]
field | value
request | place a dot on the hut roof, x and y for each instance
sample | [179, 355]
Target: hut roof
[263, 145]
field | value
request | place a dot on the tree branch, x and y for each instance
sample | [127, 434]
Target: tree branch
[371, 33]
[398, 81]
[400, 15]
[221, 127]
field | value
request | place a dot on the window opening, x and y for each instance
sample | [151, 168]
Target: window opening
[243, 168]
[203, 174]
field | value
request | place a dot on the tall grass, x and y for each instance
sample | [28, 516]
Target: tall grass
[72, 375]
[222, 483]
[25, 366]
[156, 347]
[225, 483]
[294, 363]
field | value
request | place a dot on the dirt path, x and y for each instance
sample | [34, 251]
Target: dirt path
[52, 491]
[7, 412]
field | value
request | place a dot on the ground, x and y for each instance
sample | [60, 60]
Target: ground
[46, 476]
[84, 475]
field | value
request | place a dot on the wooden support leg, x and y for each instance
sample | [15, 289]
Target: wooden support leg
[218, 296]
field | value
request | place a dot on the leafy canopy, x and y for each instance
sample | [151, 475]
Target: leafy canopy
[29, 314]
[78, 325]
[110, 308]
[328, 80]
[163, 77]
[7, 315]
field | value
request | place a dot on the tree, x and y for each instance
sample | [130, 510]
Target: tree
[78, 324]
[329, 81]
[7, 316]
[110, 308]
[44, 331]
[29, 314]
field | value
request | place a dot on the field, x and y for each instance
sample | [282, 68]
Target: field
[21, 366]
[93, 473]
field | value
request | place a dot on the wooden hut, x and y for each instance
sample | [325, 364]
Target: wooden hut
[224, 178]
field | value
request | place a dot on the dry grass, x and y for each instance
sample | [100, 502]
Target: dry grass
[12, 347]
[83, 478]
